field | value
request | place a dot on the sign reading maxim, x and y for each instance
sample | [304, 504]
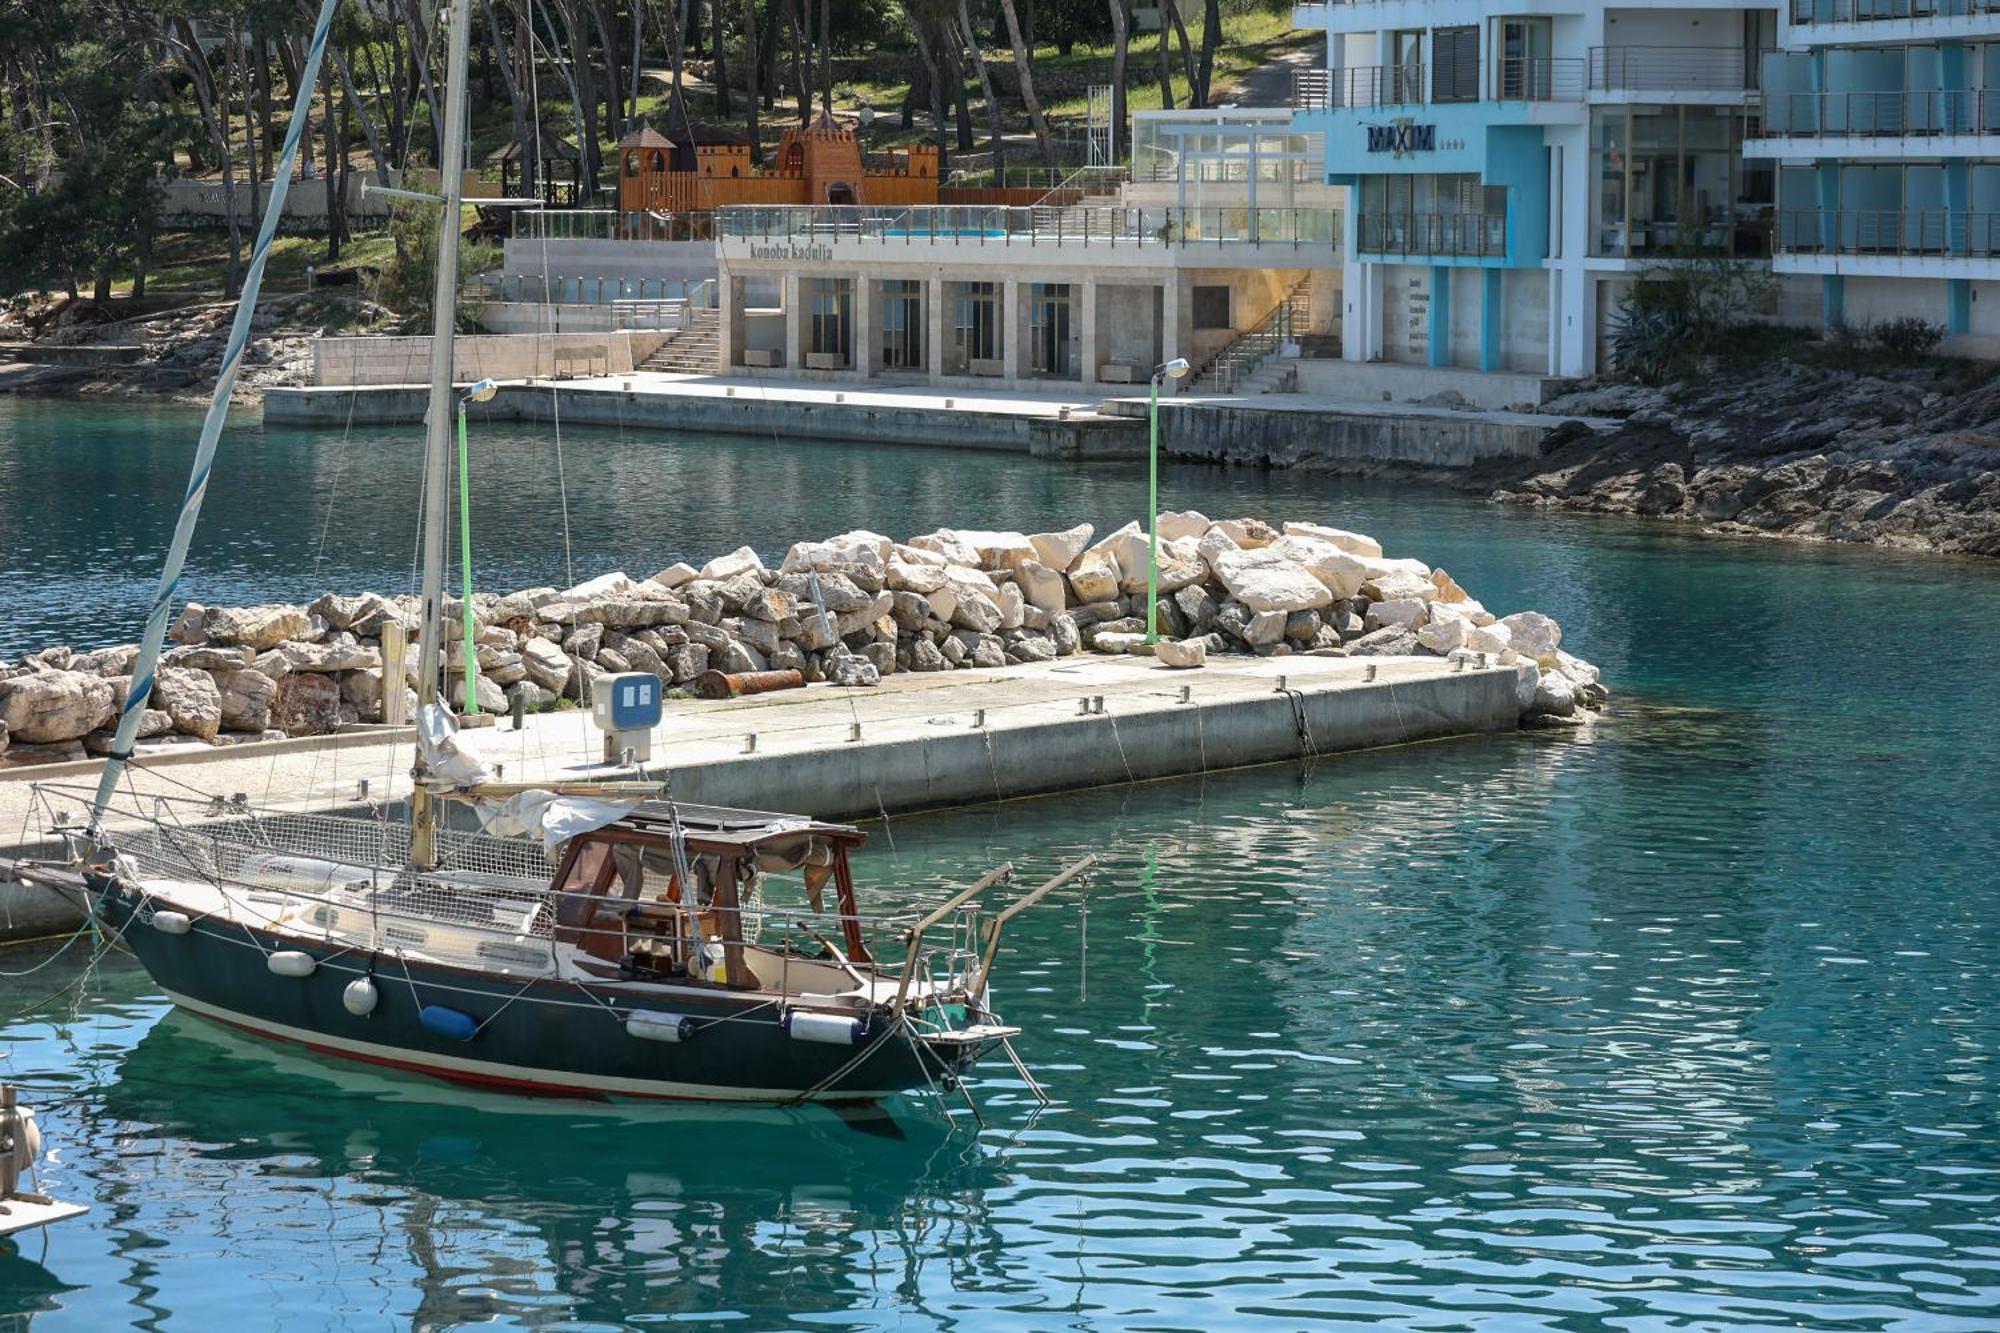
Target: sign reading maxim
[1402, 137]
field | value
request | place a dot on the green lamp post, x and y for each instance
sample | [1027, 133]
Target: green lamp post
[1171, 370]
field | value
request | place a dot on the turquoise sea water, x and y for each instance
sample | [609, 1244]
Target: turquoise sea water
[1688, 1023]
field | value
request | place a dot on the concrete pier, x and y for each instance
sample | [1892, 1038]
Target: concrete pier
[919, 741]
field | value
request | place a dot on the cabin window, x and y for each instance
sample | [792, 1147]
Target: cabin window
[735, 172]
[586, 873]
[631, 165]
[795, 157]
[659, 162]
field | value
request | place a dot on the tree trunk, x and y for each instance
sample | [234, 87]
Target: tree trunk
[750, 48]
[796, 20]
[1027, 82]
[1121, 48]
[677, 55]
[934, 83]
[993, 119]
[420, 66]
[1211, 35]
[336, 200]
[1163, 56]
[368, 129]
[720, 66]
[953, 60]
[524, 145]
[215, 116]
[826, 57]
[1173, 12]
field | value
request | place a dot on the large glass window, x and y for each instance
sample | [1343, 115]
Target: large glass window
[1051, 325]
[902, 324]
[1451, 213]
[1672, 180]
[829, 307]
[975, 328]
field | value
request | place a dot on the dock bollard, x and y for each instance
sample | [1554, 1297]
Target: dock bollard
[1281, 686]
[1187, 694]
[362, 793]
[1083, 706]
[979, 717]
[519, 710]
[854, 731]
[750, 743]
[1371, 671]
[1097, 704]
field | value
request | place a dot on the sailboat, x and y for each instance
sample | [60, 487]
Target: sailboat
[641, 948]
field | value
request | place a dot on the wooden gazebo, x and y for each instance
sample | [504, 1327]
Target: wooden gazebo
[551, 152]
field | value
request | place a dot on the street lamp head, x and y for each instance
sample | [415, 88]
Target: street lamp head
[482, 391]
[1172, 370]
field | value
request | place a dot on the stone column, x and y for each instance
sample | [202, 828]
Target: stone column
[934, 328]
[729, 319]
[862, 336]
[1013, 328]
[795, 321]
[1091, 353]
[1171, 306]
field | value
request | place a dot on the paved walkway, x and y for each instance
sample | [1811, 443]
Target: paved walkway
[918, 396]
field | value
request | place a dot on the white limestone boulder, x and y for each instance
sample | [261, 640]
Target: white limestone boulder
[1249, 533]
[190, 698]
[1181, 654]
[676, 574]
[1059, 550]
[1094, 577]
[740, 561]
[1396, 586]
[1175, 524]
[258, 627]
[1041, 585]
[869, 550]
[43, 707]
[1553, 694]
[1341, 572]
[998, 550]
[1444, 636]
[906, 576]
[1266, 580]
[1354, 543]
[1533, 634]
[1408, 612]
[947, 543]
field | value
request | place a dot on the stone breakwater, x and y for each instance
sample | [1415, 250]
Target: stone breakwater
[847, 611]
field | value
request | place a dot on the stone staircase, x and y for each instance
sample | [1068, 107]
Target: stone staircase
[694, 349]
[1251, 364]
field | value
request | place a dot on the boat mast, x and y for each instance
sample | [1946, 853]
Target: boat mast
[437, 451]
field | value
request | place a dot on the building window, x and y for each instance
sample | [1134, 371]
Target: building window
[829, 308]
[1210, 307]
[975, 326]
[1051, 329]
[1454, 65]
[1451, 213]
[902, 324]
[1672, 180]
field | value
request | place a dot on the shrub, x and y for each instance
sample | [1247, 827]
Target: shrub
[1908, 338]
[1694, 305]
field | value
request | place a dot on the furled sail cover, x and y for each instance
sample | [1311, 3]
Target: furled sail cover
[553, 818]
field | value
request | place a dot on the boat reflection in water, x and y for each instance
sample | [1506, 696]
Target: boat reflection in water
[494, 1206]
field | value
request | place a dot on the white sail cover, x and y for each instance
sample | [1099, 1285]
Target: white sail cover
[553, 818]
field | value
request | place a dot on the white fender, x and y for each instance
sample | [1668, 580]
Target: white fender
[172, 923]
[291, 963]
[360, 997]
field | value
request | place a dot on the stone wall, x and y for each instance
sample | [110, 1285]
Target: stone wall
[500, 356]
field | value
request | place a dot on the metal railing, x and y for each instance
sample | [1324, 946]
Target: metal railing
[1083, 225]
[1684, 69]
[1514, 79]
[1248, 351]
[1868, 11]
[588, 289]
[1894, 113]
[1890, 231]
[1539, 79]
[1465, 234]
[608, 224]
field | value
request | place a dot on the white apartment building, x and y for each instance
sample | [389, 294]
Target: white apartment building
[1882, 120]
[1507, 171]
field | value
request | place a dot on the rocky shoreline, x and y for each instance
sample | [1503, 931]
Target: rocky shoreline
[1898, 458]
[845, 611]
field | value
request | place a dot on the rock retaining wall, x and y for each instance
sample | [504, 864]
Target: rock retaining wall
[847, 610]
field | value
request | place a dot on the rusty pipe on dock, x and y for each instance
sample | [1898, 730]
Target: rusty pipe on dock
[732, 685]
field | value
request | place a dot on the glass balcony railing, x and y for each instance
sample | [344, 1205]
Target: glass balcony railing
[1919, 112]
[1939, 232]
[1513, 79]
[1081, 226]
[1867, 11]
[1468, 235]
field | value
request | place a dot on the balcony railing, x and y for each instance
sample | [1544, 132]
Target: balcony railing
[1920, 112]
[1469, 235]
[1083, 226]
[1514, 79]
[1918, 232]
[1868, 11]
[1539, 79]
[1672, 69]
